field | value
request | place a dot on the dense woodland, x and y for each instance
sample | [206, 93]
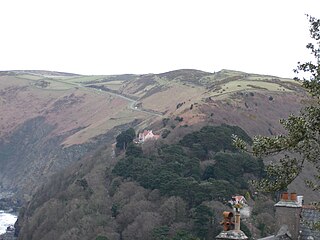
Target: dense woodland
[160, 190]
[204, 167]
[174, 188]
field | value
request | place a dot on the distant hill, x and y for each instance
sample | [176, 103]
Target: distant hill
[170, 191]
[59, 115]
[57, 128]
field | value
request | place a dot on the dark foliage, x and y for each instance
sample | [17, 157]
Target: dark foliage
[203, 221]
[175, 171]
[134, 150]
[124, 138]
[213, 139]
[165, 133]
[179, 119]
[232, 167]
[246, 230]
[165, 121]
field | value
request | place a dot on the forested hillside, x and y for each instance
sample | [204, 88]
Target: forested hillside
[74, 187]
[175, 191]
[63, 116]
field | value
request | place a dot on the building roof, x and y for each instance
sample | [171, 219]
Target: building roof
[291, 204]
[232, 234]
[283, 234]
[309, 215]
[238, 198]
[268, 238]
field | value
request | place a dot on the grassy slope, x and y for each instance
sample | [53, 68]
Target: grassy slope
[65, 101]
[254, 102]
[232, 96]
[224, 97]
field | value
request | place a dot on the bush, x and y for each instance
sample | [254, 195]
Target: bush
[179, 105]
[214, 139]
[165, 133]
[124, 138]
[165, 121]
[133, 150]
[179, 119]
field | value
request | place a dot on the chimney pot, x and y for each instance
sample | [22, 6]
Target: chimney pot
[293, 197]
[285, 196]
[227, 214]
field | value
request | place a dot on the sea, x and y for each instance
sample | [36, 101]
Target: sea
[6, 219]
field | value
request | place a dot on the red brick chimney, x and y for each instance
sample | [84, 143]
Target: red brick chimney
[293, 197]
[288, 211]
[285, 196]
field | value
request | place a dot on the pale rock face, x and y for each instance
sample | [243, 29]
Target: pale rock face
[6, 220]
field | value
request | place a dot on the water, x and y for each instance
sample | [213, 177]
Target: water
[6, 220]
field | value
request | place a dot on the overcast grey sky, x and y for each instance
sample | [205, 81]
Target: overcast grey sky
[149, 36]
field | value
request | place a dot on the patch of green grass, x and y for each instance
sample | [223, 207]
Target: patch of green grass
[246, 85]
[29, 77]
[84, 79]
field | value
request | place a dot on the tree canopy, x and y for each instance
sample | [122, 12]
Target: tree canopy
[175, 169]
[203, 167]
[124, 138]
[301, 143]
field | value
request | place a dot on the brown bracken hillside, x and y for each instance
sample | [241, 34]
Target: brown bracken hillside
[57, 130]
[51, 119]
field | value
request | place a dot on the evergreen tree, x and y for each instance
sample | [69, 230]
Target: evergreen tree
[303, 130]
[203, 221]
[124, 138]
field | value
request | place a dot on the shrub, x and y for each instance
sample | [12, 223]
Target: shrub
[179, 119]
[165, 121]
[165, 133]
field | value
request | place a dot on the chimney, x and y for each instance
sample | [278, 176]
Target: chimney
[285, 196]
[227, 221]
[293, 197]
[288, 211]
[237, 221]
[300, 200]
[228, 231]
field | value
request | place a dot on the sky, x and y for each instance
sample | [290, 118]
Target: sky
[154, 36]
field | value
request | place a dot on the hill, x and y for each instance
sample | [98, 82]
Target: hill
[52, 124]
[62, 116]
[168, 190]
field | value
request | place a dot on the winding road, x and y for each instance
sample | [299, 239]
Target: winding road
[132, 102]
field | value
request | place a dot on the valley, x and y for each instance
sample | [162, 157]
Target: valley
[57, 132]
